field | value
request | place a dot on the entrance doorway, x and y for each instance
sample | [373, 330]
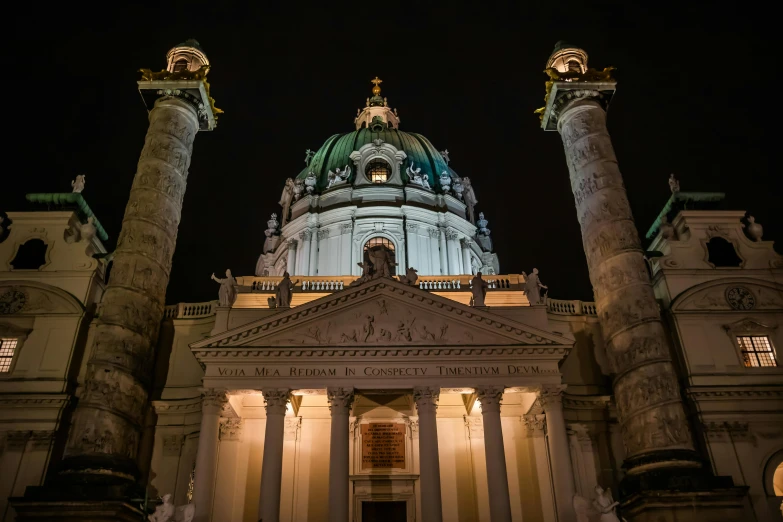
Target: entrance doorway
[391, 511]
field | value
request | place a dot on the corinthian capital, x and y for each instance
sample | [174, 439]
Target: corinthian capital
[451, 234]
[551, 395]
[213, 398]
[426, 398]
[292, 244]
[490, 398]
[276, 400]
[340, 399]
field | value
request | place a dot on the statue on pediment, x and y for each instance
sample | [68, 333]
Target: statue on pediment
[478, 288]
[284, 290]
[228, 293]
[381, 261]
[410, 277]
[533, 287]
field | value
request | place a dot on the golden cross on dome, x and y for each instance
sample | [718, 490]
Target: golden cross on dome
[376, 90]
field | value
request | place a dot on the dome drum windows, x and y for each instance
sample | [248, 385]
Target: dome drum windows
[378, 163]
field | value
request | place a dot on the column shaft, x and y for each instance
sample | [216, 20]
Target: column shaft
[455, 258]
[304, 265]
[429, 460]
[497, 476]
[444, 255]
[340, 400]
[272, 466]
[559, 452]
[291, 261]
[206, 458]
[313, 253]
[106, 425]
[466, 266]
[653, 420]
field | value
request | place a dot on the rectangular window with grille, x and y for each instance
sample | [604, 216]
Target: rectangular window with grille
[7, 350]
[757, 351]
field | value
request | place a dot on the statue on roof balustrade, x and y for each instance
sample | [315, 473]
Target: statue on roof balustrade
[284, 290]
[228, 293]
[478, 289]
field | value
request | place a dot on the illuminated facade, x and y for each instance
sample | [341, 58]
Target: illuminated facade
[400, 397]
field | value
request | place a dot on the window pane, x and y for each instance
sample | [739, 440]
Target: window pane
[7, 349]
[756, 351]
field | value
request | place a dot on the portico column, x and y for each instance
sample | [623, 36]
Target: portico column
[429, 463]
[276, 400]
[291, 262]
[497, 478]
[340, 400]
[212, 403]
[466, 266]
[444, 256]
[304, 265]
[313, 267]
[559, 451]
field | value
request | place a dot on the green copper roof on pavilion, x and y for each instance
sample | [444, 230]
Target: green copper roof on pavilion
[335, 153]
[70, 201]
[684, 201]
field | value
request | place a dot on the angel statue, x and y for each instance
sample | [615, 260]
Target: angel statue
[445, 182]
[469, 197]
[603, 506]
[286, 197]
[416, 177]
[338, 177]
[228, 293]
[167, 512]
[78, 184]
[674, 184]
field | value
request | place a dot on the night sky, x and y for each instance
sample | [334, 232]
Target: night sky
[692, 99]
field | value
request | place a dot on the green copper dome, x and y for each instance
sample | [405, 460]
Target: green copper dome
[335, 153]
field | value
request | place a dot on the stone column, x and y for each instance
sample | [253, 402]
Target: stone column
[107, 423]
[291, 262]
[427, 405]
[340, 400]
[454, 253]
[212, 402]
[444, 255]
[313, 264]
[346, 249]
[497, 476]
[559, 452]
[276, 400]
[304, 264]
[654, 425]
[412, 240]
[466, 266]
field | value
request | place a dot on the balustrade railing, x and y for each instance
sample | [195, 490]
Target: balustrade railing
[570, 307]
[190, 310]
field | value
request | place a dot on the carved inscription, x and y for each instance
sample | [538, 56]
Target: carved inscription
[383, 445]
[378, 371]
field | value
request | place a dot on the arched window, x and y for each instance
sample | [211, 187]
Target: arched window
[181, 65]
[378, 171]
[381, 243]
[31, 255]
[721, 253]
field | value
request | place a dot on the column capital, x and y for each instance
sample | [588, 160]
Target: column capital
[535, 424]
[490, 397]
[231, 429]
[426, 398]
[551, 395]
[292, 244]
[276, 400]
[340, 399]
[213, 398]
[466, 242]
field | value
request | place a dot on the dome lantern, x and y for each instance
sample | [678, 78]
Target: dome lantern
[377, 116]
[567, 58]
[186, 56]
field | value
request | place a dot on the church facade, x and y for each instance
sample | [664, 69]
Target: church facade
[377, 363]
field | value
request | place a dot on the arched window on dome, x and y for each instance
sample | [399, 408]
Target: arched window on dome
[378, 171]
[181, 65]
[380, 242]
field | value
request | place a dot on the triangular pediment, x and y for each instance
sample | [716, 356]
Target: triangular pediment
[383, 312]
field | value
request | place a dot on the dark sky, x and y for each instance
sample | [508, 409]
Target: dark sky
[691, 100]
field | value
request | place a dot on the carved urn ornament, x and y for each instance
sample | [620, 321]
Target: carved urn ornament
[754, 230]
[310, 182]
[445, 182]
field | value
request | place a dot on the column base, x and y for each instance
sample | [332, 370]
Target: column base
[682, 495]
[79, 502]
[724, 504]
